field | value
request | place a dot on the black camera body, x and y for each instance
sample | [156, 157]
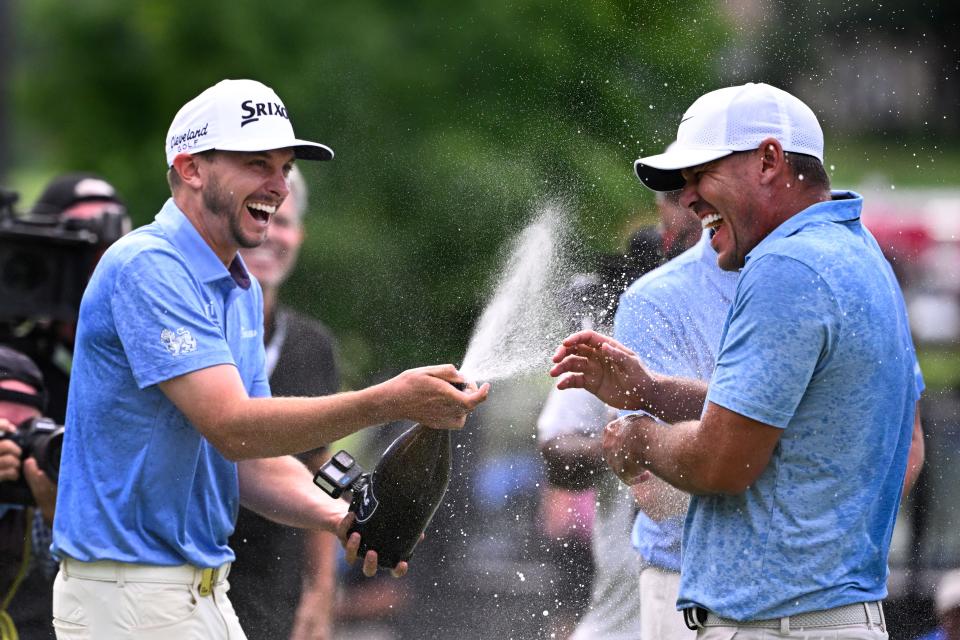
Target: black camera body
[45, 261]
[38, 438]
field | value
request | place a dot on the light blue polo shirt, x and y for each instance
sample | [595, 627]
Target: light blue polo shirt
[672, 318]
[138, 483]
[817, 344]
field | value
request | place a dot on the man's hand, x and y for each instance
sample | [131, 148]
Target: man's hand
[624, 443]
[605, 368]
[43, 489]
[9, 453]
[351, 542]
[425, 395]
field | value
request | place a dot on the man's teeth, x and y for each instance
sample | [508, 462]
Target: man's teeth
[261, 210]
[711, 221]
[269, 209]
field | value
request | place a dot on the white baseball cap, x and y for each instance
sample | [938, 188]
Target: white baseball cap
[237, 115]
[728, 120]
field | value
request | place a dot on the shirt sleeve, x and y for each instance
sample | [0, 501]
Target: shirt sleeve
[782, 324]
[163, 318]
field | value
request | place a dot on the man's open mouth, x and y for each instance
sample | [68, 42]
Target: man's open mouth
[261, 211]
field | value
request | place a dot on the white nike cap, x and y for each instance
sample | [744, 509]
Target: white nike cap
[728, 120]
[237, 115]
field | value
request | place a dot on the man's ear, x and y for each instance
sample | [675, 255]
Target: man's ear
[188, 168]
[773, 160]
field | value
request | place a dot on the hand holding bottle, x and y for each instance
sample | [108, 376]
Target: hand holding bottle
[351, 543]
[425, 395]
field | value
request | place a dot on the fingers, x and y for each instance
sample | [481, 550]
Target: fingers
[6, 425]
[572, 381]
[587, 337]
[344, 527]
[9, 460]
[370, 564]
[352, 547]
[478, 396]
[583, 339]
[446, 372]
[572, 364]
[400, 570]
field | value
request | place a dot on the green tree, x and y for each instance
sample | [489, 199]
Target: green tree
[450, 122]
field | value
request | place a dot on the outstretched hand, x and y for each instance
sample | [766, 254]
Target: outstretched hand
[604, 367]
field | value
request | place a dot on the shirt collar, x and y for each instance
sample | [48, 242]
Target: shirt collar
[843, 206]
[195, 250]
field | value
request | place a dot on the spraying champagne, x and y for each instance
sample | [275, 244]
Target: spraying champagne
[394, 504]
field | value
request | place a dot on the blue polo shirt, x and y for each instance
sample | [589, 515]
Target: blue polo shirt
[138, 483]
[672, 318]
[816, 344]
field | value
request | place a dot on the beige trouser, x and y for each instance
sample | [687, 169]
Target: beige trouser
[117, 601]
[860, 632]
[659, 618]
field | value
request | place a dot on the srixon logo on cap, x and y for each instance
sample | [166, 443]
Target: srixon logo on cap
[252, 111]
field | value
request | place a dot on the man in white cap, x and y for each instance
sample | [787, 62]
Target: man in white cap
[169, 420]
[798, 462]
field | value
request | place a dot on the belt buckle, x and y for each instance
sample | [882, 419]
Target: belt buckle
[694, 617]
[208, 578]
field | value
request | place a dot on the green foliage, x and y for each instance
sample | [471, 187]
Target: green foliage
[450, 122]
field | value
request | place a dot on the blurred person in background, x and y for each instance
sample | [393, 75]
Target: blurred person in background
[571, 422]
[26, 567]
[947, 603]
[169, 419]
[672, 317]
[71, 201]
[300, 361]
[805, 364]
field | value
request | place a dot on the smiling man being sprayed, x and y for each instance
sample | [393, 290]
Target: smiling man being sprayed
[799, 460]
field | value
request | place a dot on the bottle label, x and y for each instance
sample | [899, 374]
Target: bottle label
[368, 503]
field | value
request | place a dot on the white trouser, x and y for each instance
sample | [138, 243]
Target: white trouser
[857, 621]
[659, 618]
[824, 633]
[117, 601]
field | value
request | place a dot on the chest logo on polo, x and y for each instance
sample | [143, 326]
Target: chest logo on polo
[179, 342]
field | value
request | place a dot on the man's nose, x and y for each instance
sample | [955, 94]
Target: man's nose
[688, 195]
[278, 184]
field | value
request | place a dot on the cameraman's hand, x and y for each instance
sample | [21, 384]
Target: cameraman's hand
[44, 490]
[9, 453]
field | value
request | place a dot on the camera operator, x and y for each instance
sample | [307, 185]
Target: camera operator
[70, 203]
[26, 567]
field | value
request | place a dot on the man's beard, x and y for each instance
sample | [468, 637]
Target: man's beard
[222, 204]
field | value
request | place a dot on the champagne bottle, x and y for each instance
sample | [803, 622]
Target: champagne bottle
[394, 504]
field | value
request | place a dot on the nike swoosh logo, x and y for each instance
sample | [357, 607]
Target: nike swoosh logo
[685, 119]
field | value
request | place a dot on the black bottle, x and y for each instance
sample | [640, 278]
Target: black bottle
[394, 504]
